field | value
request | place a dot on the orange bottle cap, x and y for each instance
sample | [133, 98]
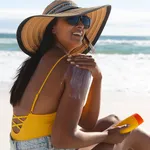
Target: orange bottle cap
[138, 118]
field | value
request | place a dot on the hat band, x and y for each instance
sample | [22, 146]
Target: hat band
[61, 7]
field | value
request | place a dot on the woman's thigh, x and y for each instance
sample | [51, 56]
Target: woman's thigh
[105, 123]
[100, 146]
[102, 124]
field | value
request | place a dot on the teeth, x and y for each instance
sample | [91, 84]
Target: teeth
[77, 33]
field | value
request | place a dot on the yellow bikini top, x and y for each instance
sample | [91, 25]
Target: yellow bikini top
[33, 125]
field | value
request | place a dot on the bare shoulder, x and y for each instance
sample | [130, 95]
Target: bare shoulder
[52, 82]
[51, 58]
[77, 78]
[71, 102]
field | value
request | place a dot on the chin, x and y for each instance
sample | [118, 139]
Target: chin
[77, 44]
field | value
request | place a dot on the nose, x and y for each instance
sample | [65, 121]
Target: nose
[80, 25]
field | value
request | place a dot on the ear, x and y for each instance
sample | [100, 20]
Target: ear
[54, 30]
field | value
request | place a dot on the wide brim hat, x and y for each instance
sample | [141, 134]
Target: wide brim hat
[30, 32]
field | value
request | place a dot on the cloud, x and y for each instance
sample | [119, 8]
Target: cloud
[7, 30]
[11, 18]
[127, 22]
[17, 14]
[128, 16]
[123, 22]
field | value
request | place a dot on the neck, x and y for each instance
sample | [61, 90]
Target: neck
[63, 48]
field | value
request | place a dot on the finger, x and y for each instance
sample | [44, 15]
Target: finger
[125, 135]
[84, 63]
[85, 67]
[123, 126]
[81, 60]
[79, 56]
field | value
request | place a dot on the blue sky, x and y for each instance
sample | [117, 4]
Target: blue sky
[128, 17]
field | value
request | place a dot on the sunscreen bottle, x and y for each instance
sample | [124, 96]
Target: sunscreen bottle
[133, 121]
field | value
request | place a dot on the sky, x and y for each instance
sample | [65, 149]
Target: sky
[128, 17]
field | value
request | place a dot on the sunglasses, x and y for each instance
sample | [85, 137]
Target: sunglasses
[74, 20]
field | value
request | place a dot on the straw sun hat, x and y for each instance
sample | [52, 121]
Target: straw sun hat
[30, 32]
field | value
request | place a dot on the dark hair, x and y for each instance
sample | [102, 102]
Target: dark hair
[28, 67]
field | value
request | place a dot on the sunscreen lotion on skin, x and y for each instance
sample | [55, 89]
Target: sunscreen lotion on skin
[133, 121]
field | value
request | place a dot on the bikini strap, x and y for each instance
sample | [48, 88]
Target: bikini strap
[37, 95]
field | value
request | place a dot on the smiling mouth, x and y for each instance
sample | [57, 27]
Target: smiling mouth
[79, 34]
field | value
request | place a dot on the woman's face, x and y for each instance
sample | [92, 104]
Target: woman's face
[68, 35]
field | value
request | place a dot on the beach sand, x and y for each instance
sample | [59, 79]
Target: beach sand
[121, 104]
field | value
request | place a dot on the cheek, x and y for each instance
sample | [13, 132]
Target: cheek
[63, 33]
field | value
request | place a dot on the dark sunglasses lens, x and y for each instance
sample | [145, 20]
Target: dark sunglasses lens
[86, 21]
[73, 20]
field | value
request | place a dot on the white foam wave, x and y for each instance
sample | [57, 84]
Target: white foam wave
[9, 62]
[125, 73]
[8, 41]
[121, 73]
[9, 54]
[131, 42]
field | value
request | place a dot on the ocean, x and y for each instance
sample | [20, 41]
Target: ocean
[124, 62]
[105, 44]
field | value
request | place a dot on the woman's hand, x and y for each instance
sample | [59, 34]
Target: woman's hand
[114, 135]
[85, 62]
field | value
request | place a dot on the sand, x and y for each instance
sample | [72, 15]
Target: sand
[121, 104]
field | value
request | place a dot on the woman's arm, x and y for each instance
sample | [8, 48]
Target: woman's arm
[91, 109]
[65, 133]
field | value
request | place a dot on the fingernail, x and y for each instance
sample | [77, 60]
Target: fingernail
[72, 62]
[68, 59]
[77, 65]
[126, 125]
[69, 56]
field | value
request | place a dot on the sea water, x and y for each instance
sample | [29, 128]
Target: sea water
[123, 60]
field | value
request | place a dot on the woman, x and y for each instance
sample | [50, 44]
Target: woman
[50, 110]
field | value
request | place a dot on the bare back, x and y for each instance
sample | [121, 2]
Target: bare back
[50, 95]
[52, 91]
